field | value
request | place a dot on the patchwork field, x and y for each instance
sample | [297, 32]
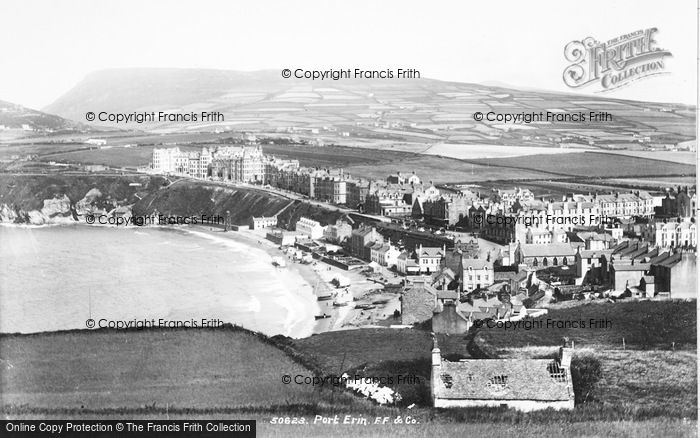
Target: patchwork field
[476, 151]
[594, 164]
[682, 157]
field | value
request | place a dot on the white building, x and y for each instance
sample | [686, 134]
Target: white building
[430, 258]
[476, 274]
[259, 223]
[385, 254]
[310, 228]
[675, 234]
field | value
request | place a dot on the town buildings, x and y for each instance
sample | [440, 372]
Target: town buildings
[673, 233]
[631, 262]
[361, 241]
[537, 257]
[679, 203]
[385, 254]
[475, 274]
[259, 223]
[227, 163]
[309, 228]
[429, 258]
[339, 232]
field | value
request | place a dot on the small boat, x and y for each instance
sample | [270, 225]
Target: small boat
[380, 302]
[327, 297]
[325, 315]
[365, 306]
[340, 303]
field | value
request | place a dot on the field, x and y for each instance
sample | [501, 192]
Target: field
[646, 390]
[476, 151]
[445, 170]
[546, 165]
[113, 157]
[655, 370]
[683, 157]
[645, 325]
[594, 164]
[127, 370]
[343, 350]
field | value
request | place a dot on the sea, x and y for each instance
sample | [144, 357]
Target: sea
[63, 277]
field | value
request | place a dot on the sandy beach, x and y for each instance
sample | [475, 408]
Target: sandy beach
[319, 276]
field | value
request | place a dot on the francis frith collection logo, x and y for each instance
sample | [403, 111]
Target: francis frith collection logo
[614, 63]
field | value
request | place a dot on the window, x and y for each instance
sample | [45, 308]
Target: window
[498, 382]
[447, 380]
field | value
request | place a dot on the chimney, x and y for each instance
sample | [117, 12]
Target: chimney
[565, 355]
[436, 359]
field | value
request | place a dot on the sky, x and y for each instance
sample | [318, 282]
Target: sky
[49, 46]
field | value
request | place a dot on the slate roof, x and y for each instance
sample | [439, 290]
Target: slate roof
[510, 275]
[501, 379]
[447, 295]
[550, 250]
[475, 263]
[635, 267]
[594, 254]
[430, 252]
[670, 261]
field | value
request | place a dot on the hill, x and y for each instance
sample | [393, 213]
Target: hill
[371, 112]
[100, 370]
[19, 121]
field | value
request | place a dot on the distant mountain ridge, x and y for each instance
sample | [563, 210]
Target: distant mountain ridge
[424, 110]
[18, 117]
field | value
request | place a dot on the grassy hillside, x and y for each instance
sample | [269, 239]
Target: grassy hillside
[650, 377]
[105, 369]
[645, 325]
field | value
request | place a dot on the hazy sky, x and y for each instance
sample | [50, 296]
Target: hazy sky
[49, 46]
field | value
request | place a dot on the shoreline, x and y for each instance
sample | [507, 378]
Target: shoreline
[294, 306]
[315, 277]
[262, 244]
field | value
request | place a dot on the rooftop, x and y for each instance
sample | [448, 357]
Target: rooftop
[502, 379]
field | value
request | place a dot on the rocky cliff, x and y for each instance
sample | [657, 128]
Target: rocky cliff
[65, 199]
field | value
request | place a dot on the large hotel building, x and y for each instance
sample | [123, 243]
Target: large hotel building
[240, 164]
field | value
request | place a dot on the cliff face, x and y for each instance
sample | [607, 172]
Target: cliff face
[63, 198]
[191, 198]
[199, 198]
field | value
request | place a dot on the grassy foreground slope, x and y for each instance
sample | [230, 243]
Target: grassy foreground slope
[653, 374]
[181, 368]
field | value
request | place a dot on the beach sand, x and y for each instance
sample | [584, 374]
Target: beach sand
[298, 298]
[320, 275]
